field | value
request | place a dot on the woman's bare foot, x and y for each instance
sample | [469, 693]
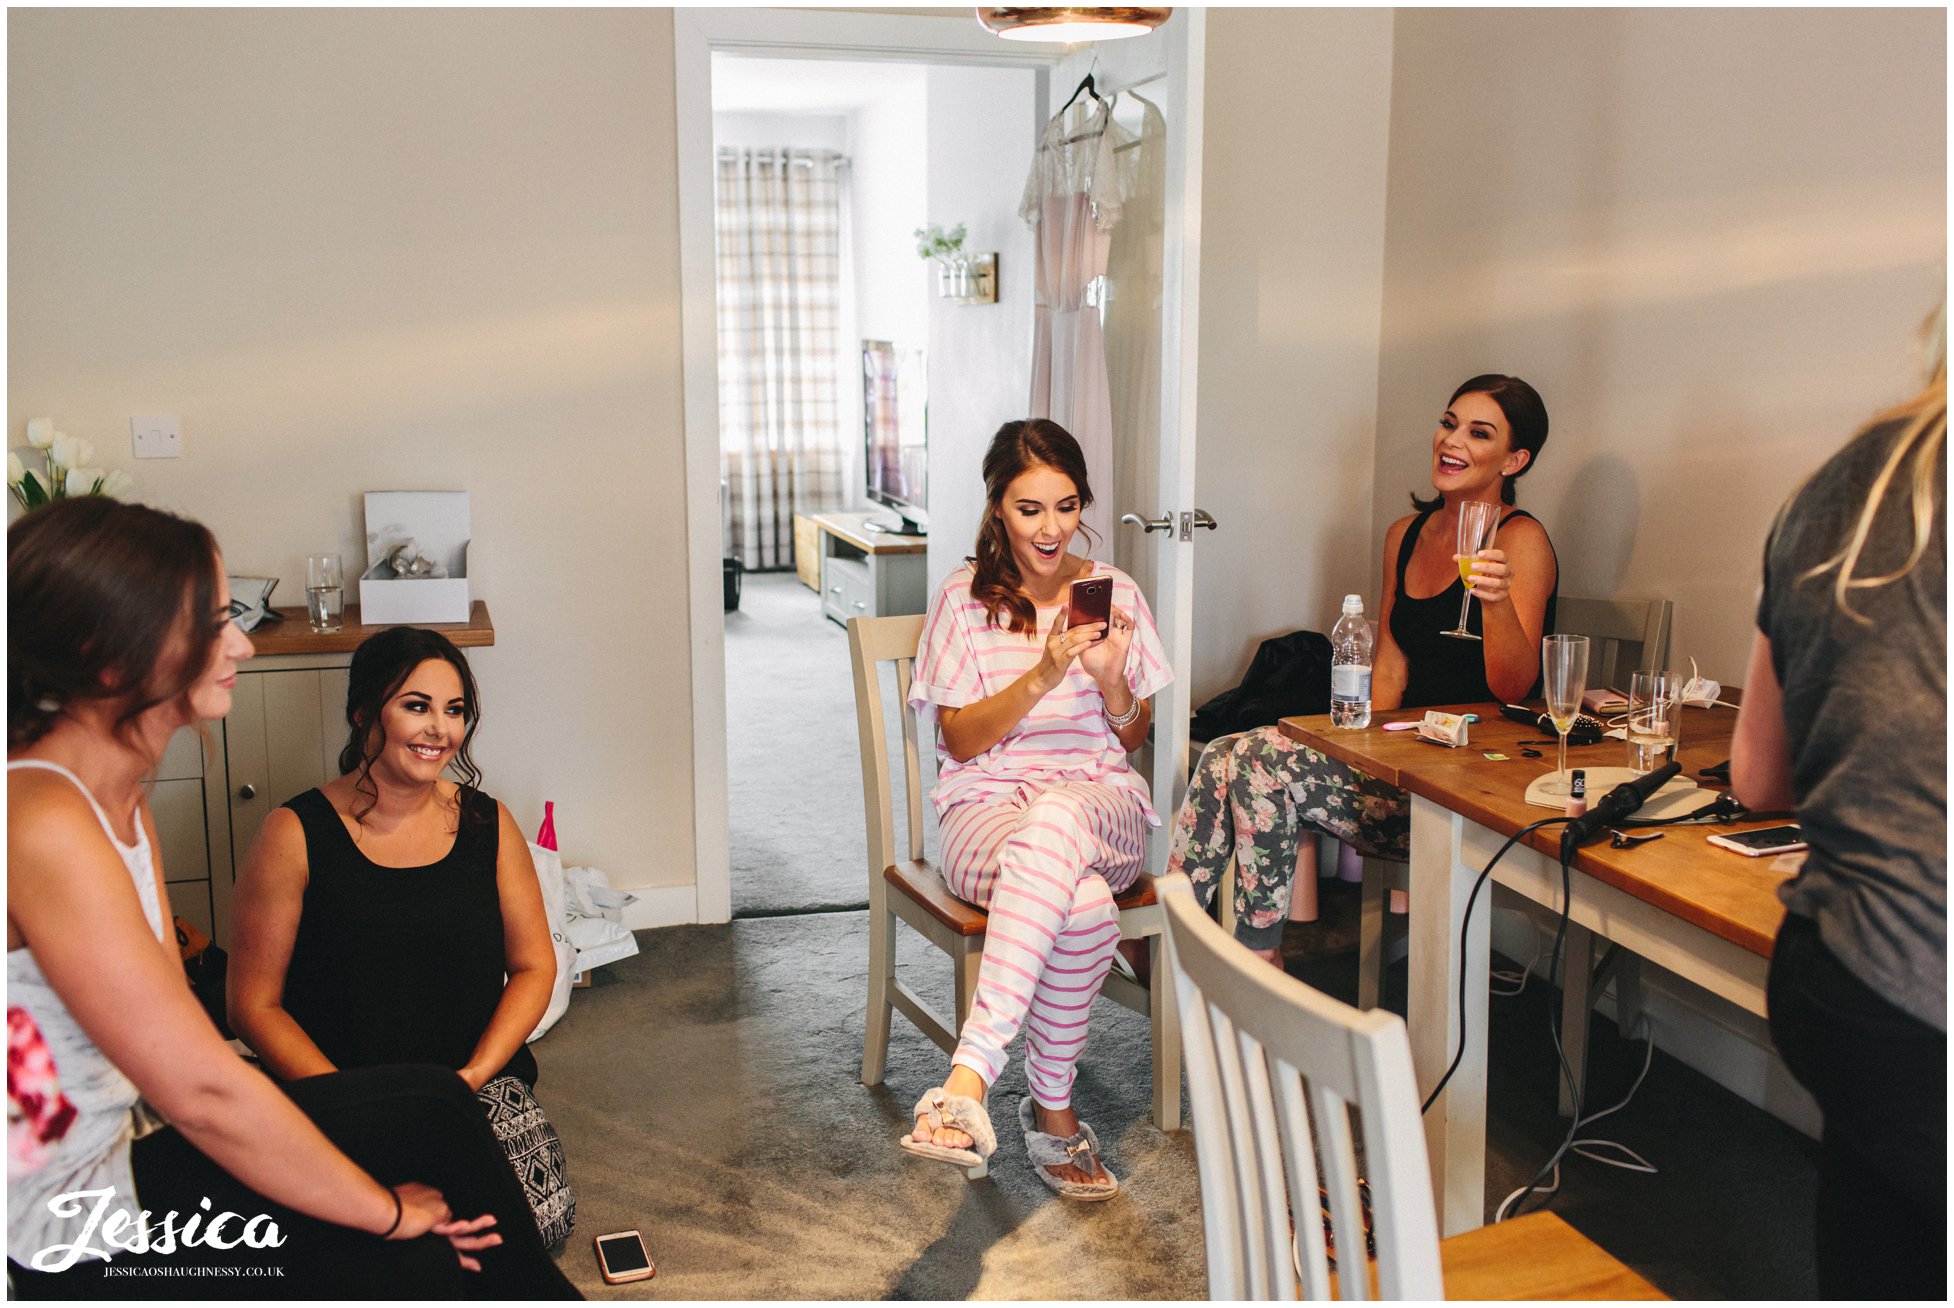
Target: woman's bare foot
[1064, 1123]
[1269, 955]
[961, 1081]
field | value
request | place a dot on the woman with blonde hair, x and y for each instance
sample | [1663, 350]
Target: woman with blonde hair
[1845, 719]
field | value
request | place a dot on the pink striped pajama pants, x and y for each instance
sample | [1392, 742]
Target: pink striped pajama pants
[1045, 862]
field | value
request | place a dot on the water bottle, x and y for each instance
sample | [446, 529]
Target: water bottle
[1350, 667]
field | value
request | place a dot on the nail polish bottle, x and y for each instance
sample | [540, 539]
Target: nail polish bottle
[1577, 793]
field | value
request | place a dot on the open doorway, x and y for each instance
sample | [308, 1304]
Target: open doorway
[827, 328]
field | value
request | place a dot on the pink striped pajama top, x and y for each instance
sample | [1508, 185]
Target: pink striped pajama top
[1065, 736]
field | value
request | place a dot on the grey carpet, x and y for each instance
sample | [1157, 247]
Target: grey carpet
[707, 1095]
[793, 764]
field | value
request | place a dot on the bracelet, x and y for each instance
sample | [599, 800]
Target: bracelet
[398, 1214]
[1126, 719]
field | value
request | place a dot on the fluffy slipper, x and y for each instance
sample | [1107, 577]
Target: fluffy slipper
[959, 1113]
[1048, 1151]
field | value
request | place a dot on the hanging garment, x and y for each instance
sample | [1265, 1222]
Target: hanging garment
[1072, 203]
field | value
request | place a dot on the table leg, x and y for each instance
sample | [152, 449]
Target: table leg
[1455, 1128]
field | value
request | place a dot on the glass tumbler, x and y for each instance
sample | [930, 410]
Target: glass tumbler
[1655, 719]
[324, 591]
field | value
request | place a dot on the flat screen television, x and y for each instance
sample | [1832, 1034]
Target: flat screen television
[895, 434]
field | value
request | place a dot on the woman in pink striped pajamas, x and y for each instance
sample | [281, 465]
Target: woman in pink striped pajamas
[1043, 820]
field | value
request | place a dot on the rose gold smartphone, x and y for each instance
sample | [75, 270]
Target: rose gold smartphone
[1091, 601]
[621, 1257]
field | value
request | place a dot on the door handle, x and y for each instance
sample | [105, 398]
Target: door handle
[1198, 518]
[247, 792]
[1150, 525]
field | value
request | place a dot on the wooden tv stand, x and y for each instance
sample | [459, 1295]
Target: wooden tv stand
[869, 573]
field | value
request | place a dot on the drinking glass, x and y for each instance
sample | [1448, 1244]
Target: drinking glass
[1564, 674]
[324, 591]
[1655, 719]
[1478, 520]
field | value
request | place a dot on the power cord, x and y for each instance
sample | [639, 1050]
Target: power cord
[1464, 922]
[1630, 1160]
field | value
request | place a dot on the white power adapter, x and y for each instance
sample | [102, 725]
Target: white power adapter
[1701, 692]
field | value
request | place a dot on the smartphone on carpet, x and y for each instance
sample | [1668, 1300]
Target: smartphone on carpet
[621, 1257]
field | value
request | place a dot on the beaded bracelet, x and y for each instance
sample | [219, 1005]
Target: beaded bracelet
[1126, 719]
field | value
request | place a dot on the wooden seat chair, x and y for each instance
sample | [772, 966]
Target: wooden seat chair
[904, 885]
[1278, 1075]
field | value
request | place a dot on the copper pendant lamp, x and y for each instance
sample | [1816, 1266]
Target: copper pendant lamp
[1076, 23]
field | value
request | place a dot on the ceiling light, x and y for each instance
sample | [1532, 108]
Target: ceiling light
[1079, 23]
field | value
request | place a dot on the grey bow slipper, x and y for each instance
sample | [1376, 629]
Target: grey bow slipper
[1081, 1151]
[959, 1113]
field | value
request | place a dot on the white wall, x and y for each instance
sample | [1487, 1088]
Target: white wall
[887, 140]
[753, 131]
[1292, 265]
[983, 123]
[1706, 236]
[370, 249]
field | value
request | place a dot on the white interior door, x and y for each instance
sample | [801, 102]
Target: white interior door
[1151, 302]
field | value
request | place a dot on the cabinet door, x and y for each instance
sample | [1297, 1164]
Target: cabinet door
[176, 803]
[281, 739]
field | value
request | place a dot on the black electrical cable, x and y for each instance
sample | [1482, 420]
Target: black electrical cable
[1464, 921]
[1553, 1030]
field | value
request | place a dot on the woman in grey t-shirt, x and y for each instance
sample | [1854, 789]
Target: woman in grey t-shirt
[1845, 719]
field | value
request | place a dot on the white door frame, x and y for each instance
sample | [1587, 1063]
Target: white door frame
[808, 34]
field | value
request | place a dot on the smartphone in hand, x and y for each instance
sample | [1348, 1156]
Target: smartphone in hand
[1091, 600]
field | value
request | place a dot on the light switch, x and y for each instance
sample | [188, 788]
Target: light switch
[157, 437]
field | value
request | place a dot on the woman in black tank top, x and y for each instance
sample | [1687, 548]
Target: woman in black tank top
[1274, 791]
[394, 916]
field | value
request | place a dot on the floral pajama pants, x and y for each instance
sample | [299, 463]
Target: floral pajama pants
[1255, 796]
[1045, 863]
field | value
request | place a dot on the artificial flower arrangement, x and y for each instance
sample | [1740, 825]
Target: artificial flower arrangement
[69, 470]
[946, 247]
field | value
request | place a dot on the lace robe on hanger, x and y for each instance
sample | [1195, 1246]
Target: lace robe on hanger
[1072, 203]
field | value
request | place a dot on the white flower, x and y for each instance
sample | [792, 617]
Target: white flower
[16, 470]
[116, 484]
[84, 481]
[40, 432]
[63, 451]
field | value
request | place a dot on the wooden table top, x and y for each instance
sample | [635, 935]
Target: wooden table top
[1722, 892]
[295, 635]
[854, 528]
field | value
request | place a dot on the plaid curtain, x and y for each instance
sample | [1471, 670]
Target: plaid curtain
[779, 255]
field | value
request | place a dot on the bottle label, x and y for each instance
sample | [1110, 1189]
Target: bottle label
[1350, 681]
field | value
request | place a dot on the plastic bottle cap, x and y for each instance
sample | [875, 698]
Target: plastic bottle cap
[1353, 603]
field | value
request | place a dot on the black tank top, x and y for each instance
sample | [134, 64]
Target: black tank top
[1441, 668]
[399, 964]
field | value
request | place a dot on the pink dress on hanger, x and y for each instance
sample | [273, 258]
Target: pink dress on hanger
[1072, 203]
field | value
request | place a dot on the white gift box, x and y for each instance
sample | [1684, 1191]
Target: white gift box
[437, 523]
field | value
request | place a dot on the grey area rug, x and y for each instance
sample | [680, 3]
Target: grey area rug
[794, 775]
[707, 1095]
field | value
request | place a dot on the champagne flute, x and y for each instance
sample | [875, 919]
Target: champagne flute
[1564, 674]
[1478, 520]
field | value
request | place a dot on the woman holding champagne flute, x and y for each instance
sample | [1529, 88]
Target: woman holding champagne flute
[1464, 555]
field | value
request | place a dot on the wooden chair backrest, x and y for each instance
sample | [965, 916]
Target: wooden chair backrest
[1625, 636]
[1276, 1073]
[871, 643]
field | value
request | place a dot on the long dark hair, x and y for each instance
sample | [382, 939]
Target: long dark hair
[98, 592]
[1017, 448]
[1526, 418]
[381, 666]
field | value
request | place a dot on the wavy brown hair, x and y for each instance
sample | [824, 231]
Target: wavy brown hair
[1017, 448]
[98, 594]
[381, 666]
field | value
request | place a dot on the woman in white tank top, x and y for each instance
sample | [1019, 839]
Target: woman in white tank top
[119, 635]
